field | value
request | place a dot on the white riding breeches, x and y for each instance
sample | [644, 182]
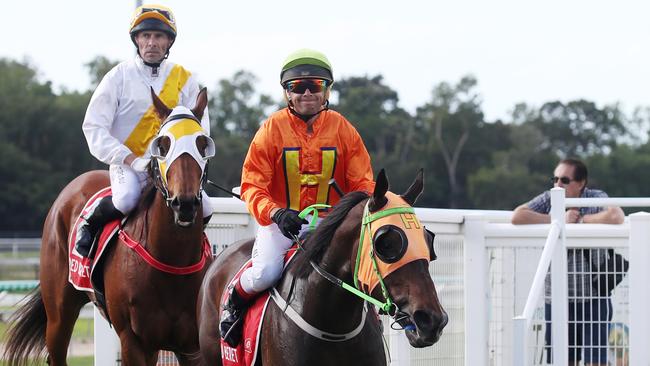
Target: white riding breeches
[127, 185]
[268, 258]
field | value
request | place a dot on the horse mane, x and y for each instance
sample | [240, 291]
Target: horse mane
[316, 244]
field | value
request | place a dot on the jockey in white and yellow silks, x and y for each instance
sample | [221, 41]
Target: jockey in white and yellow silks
[120, 120]
[289, 164]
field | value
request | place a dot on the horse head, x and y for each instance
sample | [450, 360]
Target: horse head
[179, 157]
[393, 258]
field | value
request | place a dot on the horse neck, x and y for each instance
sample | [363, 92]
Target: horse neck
[325, 303]
[169, 242]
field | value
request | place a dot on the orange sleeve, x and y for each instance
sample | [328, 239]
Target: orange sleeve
[359, 176]
[256, 177]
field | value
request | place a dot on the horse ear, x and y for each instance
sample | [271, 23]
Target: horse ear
[413, 192]
[201, 103]
[159, 106]
[378, 199]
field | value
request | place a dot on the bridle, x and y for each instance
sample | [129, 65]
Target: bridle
[388, 306]
[159, 182]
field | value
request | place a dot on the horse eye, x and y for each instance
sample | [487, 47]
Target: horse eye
[390, 243]
[429, 236]
[201, 144]
[163, 144]
[205, 146]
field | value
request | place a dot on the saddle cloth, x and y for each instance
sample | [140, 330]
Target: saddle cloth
[80, 269]
[245, 354]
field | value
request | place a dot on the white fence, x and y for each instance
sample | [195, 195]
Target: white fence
[483, 275]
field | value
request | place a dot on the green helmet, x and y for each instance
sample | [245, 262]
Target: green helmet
[306, 64]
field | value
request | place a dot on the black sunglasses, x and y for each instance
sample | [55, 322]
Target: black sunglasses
[564, 180]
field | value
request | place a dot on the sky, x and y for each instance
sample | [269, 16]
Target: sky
[520, 51]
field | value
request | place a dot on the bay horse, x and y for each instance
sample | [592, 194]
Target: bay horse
[149, 309]
[332, 251]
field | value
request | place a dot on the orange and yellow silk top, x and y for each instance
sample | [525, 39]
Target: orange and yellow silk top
[287, 167]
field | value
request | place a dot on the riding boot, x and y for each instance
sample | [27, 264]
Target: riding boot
[103, 212]
[232, 315]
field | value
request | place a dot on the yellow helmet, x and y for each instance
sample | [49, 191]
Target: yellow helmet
[153, 17]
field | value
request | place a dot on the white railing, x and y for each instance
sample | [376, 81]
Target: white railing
[483, 274]
[232, 222]
[639, 228]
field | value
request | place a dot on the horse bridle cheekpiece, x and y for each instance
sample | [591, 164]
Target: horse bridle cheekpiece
[183, 131]
[379, 254]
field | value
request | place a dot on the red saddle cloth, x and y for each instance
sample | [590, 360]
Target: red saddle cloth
[245, 354]
[80, 267]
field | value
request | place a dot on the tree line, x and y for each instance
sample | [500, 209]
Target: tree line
[469, 162]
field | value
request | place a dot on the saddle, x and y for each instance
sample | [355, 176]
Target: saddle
[81, 272]
[245, 354]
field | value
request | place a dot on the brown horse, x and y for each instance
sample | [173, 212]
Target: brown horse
[331, 251]
[150, 309]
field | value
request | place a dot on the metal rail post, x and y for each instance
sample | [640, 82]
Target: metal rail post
[559, 289]
[639, 273]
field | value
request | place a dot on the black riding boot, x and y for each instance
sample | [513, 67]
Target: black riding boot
[93, 221]
[231, 317]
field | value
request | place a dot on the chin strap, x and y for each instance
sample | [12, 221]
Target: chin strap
[152, 64]
[307, 117]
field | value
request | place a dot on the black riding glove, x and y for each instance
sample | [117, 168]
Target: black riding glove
[288, 222]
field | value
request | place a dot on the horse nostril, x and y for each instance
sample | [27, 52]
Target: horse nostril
[197, 201]
[423, 320]
[427, 321]
[176, 203]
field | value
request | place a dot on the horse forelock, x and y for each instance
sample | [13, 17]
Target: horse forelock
[318, 242]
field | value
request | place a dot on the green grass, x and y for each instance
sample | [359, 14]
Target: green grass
[72, 361]
[35, 254]
[19, 272]
[82, 361]
[83, 330]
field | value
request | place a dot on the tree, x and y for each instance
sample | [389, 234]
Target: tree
[508, 180]
[387, 130]
[237, 109]
[236, 112]
[449, 120]
[97, 68]
[579, 128]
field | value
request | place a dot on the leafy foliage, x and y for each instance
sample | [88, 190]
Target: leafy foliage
[468, 162]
